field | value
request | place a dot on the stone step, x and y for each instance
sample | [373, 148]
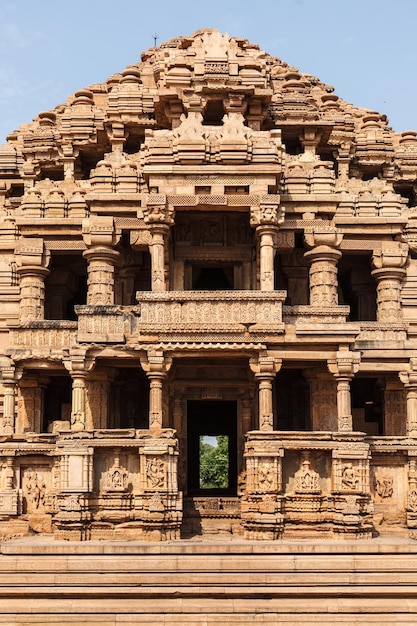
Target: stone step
[199, 583]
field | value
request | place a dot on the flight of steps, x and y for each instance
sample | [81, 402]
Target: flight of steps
[200, 583]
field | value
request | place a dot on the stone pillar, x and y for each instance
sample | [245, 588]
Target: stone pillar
[323, 260]
[159, 215]
[78, 366]
[409, 379]
[265, 368]
[266, 218]
[9, 381]
[246, 414]
[100, 236]
[156, 366]
[389, 263]
[32, 267]
[343, 368]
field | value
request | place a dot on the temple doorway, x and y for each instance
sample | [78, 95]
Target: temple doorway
[212, 447]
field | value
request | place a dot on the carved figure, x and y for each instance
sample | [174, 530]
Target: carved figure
[350, 480]
[384, 485]
[155, 471]
[306, 480]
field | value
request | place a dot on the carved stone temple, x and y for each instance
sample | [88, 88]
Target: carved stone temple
[208, 245]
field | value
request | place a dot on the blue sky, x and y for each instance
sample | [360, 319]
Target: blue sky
[366, 49]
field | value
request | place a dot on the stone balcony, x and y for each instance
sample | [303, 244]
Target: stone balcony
[201, 316]
[43, 335]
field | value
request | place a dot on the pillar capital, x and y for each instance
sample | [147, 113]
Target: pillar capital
[265, 366]
[267, 213]
[345, 365]
[156, 363]
[100, 232]
[157, 211]
[391, 255]
[31, 255]
[323, 236]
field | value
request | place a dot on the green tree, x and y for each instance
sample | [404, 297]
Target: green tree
[214, 463]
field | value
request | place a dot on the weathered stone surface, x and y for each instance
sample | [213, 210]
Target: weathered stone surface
[209, 254]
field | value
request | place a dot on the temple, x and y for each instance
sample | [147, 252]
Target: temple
[208, 250]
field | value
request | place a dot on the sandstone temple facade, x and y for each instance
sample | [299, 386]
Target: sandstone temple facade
[207, 244]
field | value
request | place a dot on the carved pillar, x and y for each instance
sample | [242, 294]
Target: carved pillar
[265, 368]
[343, 368]
[78, 366]
[159, 215]
[32, 261]
[100, 236]
[323, 260]
[156, 366]
[409, 379]
[266, 218]
[389, 263]
[9, 381]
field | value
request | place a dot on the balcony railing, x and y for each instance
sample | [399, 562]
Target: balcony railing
[199, 314]
[44, 335]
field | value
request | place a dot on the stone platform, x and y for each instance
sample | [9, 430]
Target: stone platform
[199, 583]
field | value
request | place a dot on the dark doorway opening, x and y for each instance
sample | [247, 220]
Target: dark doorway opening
[213, 278]
[212, 447]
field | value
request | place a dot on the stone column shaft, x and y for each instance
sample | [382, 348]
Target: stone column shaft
[344, 408]
[265, 369]
[388, 289]
[266, 234]
[32, 293]
[157, 252]
[155, 398]
[78, 421]
[156, 366]
[389, 262]
[9, 406]
[412, 411]
[343, 368]
[266, 413]
[323, 276]
[101, 262]
[409, 378]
